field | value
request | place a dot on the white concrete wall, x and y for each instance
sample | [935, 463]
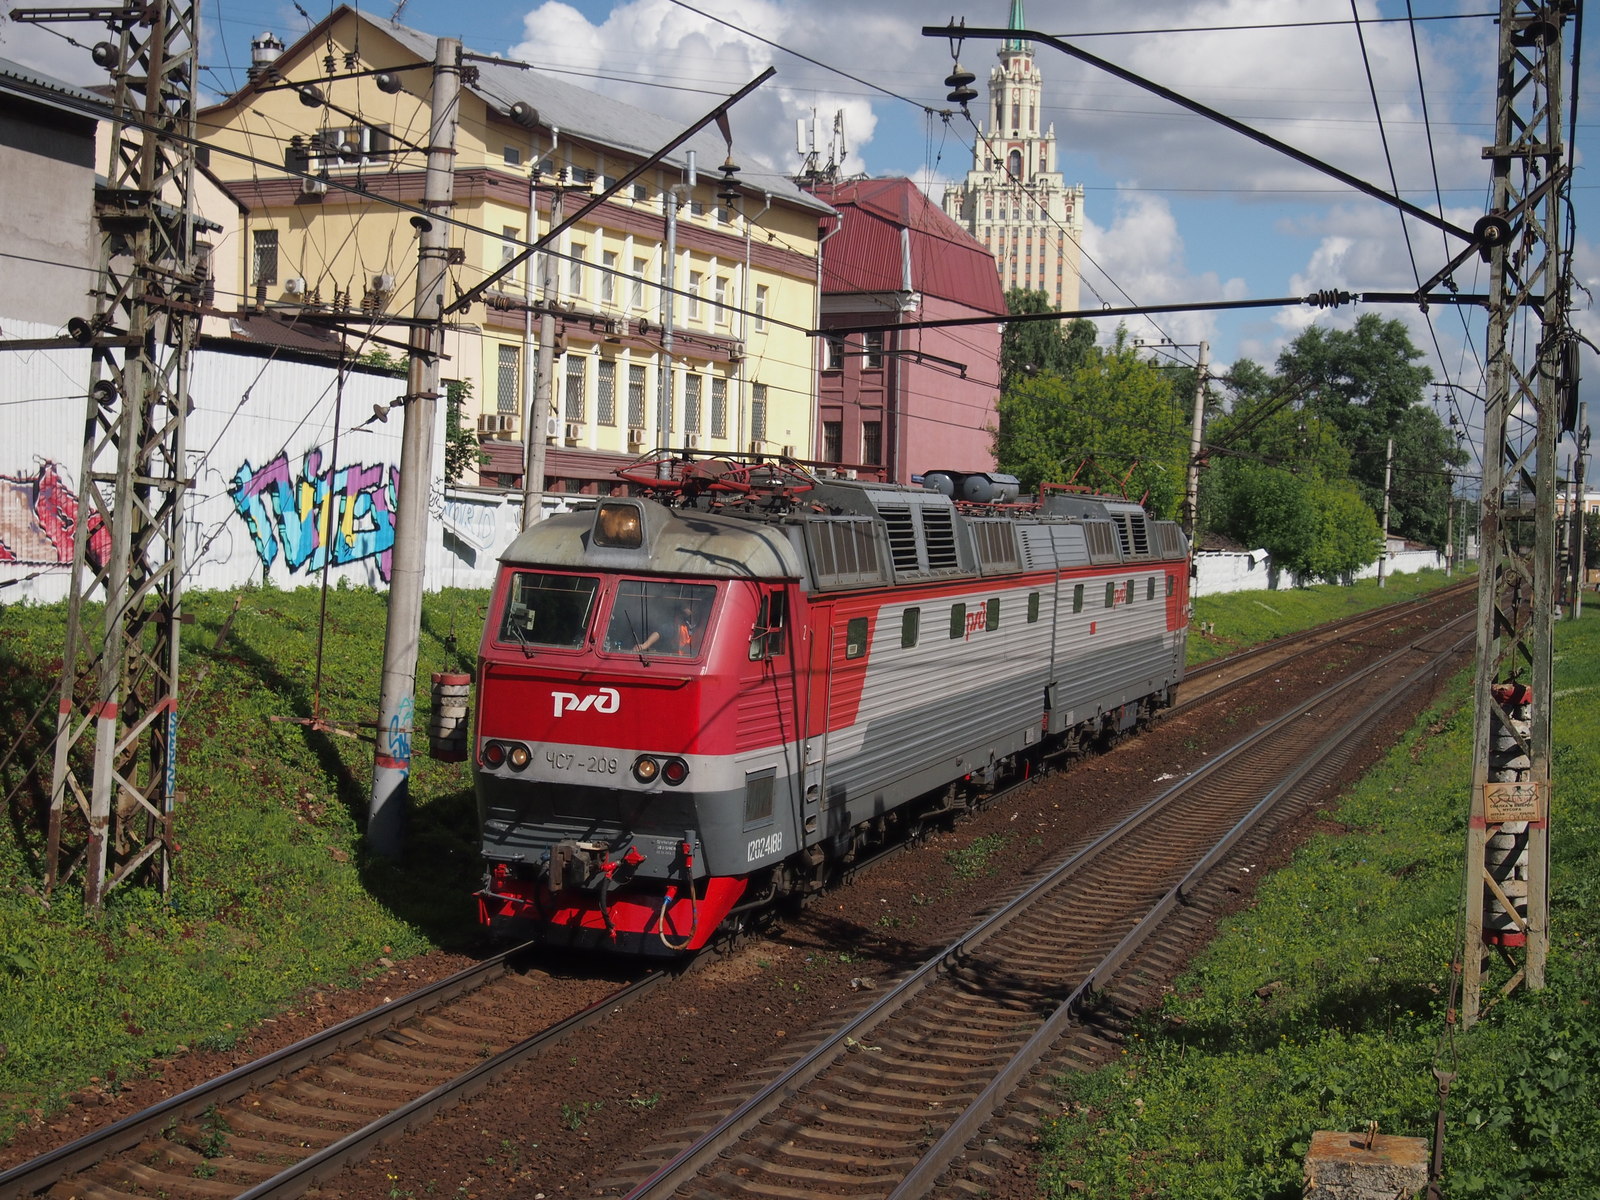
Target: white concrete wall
[273, 497]
[1219, 571]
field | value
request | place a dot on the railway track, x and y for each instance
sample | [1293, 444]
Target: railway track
[1234, 670]
[851, 1111]
[886, 1104]
[280, 1125]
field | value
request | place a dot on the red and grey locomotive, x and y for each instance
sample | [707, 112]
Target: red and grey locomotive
[699, 699]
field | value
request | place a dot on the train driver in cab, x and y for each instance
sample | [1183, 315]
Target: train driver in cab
[678, 633]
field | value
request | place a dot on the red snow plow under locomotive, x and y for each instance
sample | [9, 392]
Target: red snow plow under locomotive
[701, 699]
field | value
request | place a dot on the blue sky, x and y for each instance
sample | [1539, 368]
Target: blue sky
[1178, 209]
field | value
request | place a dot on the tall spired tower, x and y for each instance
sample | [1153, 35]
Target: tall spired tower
[1013, 200]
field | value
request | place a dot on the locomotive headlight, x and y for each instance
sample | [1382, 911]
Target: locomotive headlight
[674, 771]
[645, 769]
[619, 523]
[494, 753]
[519, 757]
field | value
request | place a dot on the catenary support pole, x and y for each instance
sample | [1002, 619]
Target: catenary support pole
[391, 769]
[1388, 476]
[1581, 433]
[1191, 489]
[1507, 898]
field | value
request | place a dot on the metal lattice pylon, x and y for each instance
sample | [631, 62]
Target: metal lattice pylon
[1508, 836]
[115, 769]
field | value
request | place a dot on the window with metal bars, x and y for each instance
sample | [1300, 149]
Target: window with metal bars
[508, 395]
[265, 267]
[872, 442]
[719, 407]
[758, 412]
[636, 395]
[576, 379]
[605, 391]
[692, 384]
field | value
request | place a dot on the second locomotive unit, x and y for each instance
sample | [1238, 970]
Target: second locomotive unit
[697, 700]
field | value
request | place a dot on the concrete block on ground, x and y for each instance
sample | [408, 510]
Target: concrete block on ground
[1356, 1166]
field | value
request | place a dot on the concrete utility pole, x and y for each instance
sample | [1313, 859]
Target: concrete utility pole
[114, 780]
[1507, 899]
[540, 405]
[1388, 475]
[1191, 489]
[1575, 538]
[391, 769]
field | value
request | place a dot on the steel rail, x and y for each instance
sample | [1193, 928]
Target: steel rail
[736, 1124]
[41, 1173]
[38, 1173]
[1317, 635]
[952, 1143]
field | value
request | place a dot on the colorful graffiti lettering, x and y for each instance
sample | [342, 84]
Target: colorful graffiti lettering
[313, 518]
[37, 517]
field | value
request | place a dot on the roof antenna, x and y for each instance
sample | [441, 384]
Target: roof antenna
[400, 7]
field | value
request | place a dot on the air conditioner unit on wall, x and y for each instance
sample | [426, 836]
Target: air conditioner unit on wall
[503, 426]
[574, 431]
[635, 436]
[736, 352]
[295, 285]
[691, 440]
[788, 451]
[552, 427]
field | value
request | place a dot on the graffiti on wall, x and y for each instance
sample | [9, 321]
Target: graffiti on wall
[316, 516]
[38, 514]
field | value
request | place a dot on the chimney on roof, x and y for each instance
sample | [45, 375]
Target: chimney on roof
[264, 51]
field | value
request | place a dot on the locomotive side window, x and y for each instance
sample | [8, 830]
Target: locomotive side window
[548, 610]
[1111, 593]
[855, 637]
[958, 620]
[991, 613]
[1033, 607]
[1077, 598]
[910, 626]
[1170, 584]
[653, 617]
[768, 638]
[1150, 589]
[1132, 583]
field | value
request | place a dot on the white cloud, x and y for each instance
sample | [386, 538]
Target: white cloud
[1142, 250]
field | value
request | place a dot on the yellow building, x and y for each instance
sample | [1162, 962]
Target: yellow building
[679, 320]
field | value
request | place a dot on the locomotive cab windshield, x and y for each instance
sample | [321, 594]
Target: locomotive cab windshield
[548, 610]
[658, 617]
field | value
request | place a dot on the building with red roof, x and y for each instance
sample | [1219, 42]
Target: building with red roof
[896, 402]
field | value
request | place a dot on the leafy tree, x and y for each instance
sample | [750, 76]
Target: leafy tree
[1030, 347]
[1312, 527]
[461, 446]
[380, 359]
[1114, 411]
[1367, 382]
[1591, 540]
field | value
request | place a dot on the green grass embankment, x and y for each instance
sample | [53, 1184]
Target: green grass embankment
[272, 892]
[1233, 620]
[1323, 1005]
